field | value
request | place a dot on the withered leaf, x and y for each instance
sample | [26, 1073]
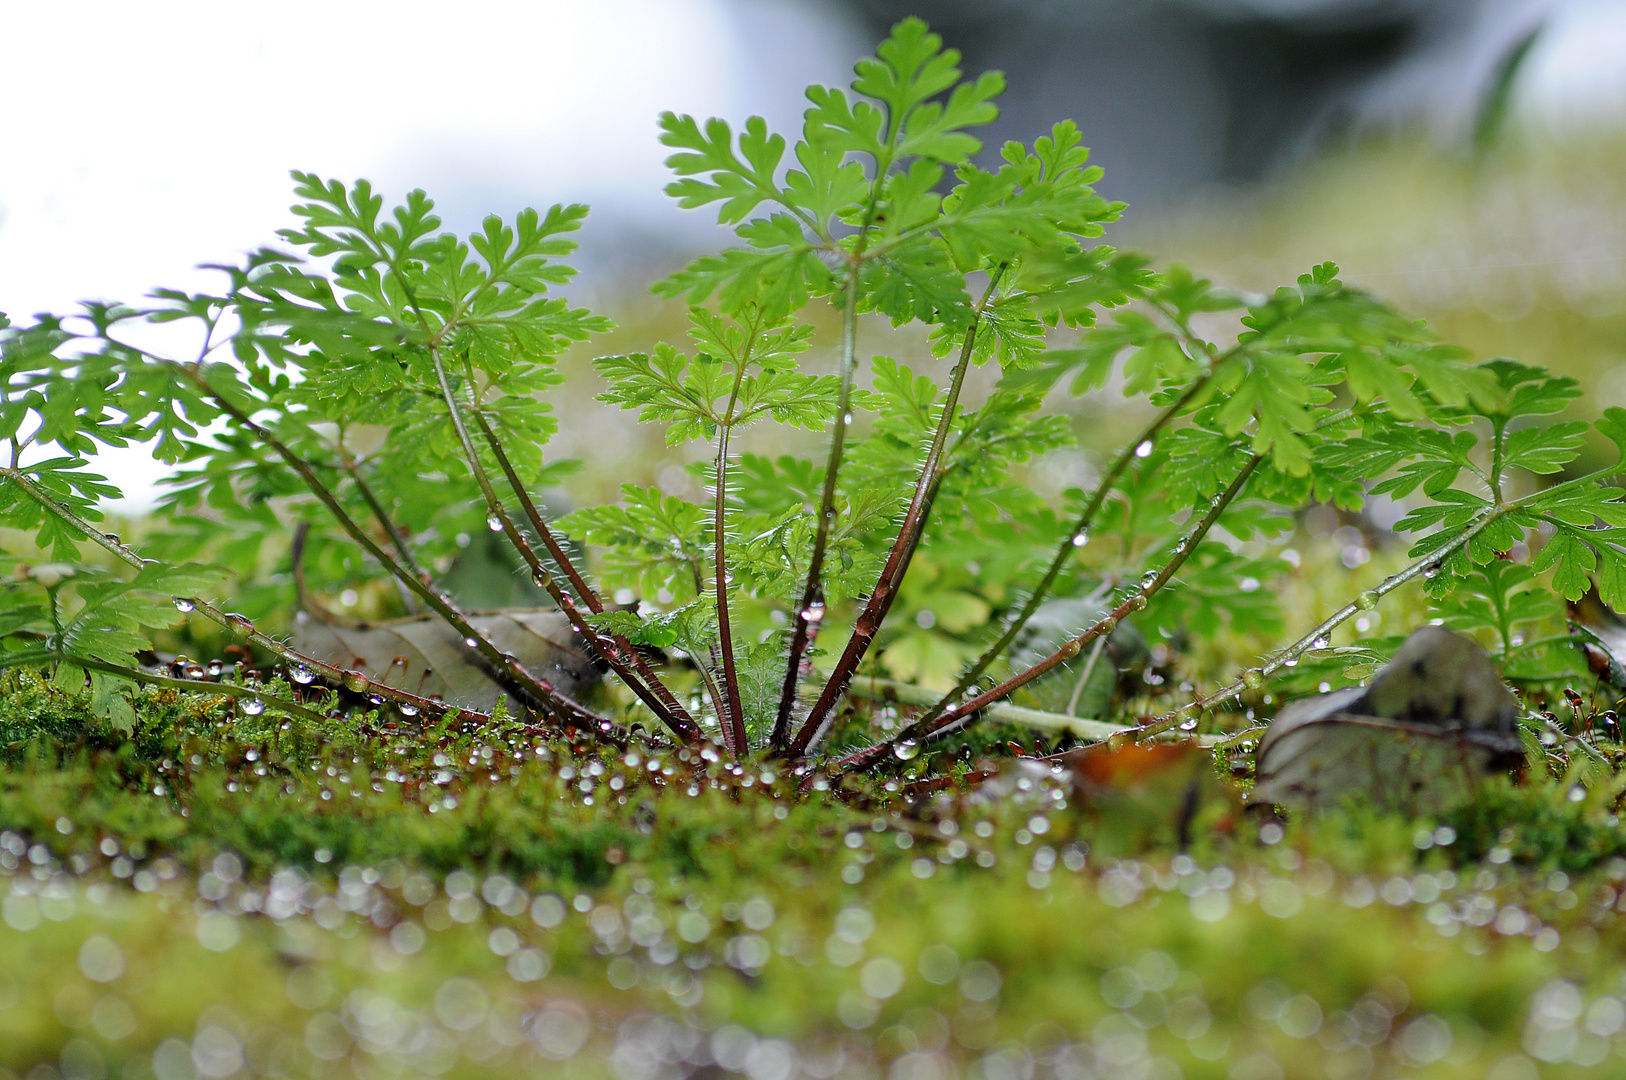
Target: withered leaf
[425, 656]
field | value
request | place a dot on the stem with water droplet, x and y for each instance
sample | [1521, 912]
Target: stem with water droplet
[869, 621]
[1304, 644]
[1136, 601]
[233, 624]
[1064, 550]
[605, 652]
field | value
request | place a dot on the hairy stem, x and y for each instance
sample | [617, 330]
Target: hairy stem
[1065, 549]
[1366, 601]
[507, 669]
[234, 624]
[616, 651]
[811, 607]
[276, 704]
[523, 546]
[881, 597]
[397, 541]
[1136, 601]
[733, 719]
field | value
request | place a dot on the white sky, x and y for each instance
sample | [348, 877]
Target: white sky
[141, 139]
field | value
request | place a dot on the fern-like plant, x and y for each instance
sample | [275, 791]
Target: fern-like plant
[384, 385]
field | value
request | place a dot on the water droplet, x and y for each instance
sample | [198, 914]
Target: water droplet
[847, 419]
[1080, 539]
[906, 750]
[302, 675]
[356, 682]
[472, 643]
[813, 613]
[111, 538]
[1367, 600]
[1117, 741]
[1148, 579]
[183, 605]
[1320, 643]
[408, 709]
[1137, 602]
[215, 668]
[1577, 793]
[1189, 724]
[1144, 450]
[1108, 625]
[254, 706]
[541, 578]
[1253, 678]
[494, 523]
[1431, 572]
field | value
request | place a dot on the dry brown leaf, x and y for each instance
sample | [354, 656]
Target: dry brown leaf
[425, 656]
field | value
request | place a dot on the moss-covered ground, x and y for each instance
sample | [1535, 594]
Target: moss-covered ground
[218, 897]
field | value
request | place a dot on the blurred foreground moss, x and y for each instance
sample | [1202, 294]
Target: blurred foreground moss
[221, 897]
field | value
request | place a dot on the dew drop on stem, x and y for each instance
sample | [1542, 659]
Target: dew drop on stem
[302, 675]
[472, 643]
[906, 750]
[254, 706]
[1144, 450]
[356, 682]
[183, 605]
[1189, 724]
[1080, 539]
[1253, 678]
[1366, 601]
[408, 709]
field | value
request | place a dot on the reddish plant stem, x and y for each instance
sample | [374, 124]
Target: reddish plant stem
[1136, 601]
[811, 607]
[881, 597]
[604, 650]
[242, 627]
[1304, 644]
[733, 723]
[619, 653]
[508, 670]
[1064, 551]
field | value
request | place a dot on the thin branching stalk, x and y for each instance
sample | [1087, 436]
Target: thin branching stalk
[810, 609]
[403, 552]
[234, 624]
[613, 651]
[881, 597]
[1136, 601]
[522, 545]
[733, 719]
[231, 690]
[1316, 638]
[397, 541]
[509, 671]
[628, 654]
[1065, 549]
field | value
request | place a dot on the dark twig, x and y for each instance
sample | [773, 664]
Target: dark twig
[523, 546]
[1064, 550]
[869, 621]
[1136, 601]
[810, 609]
[617, 652]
